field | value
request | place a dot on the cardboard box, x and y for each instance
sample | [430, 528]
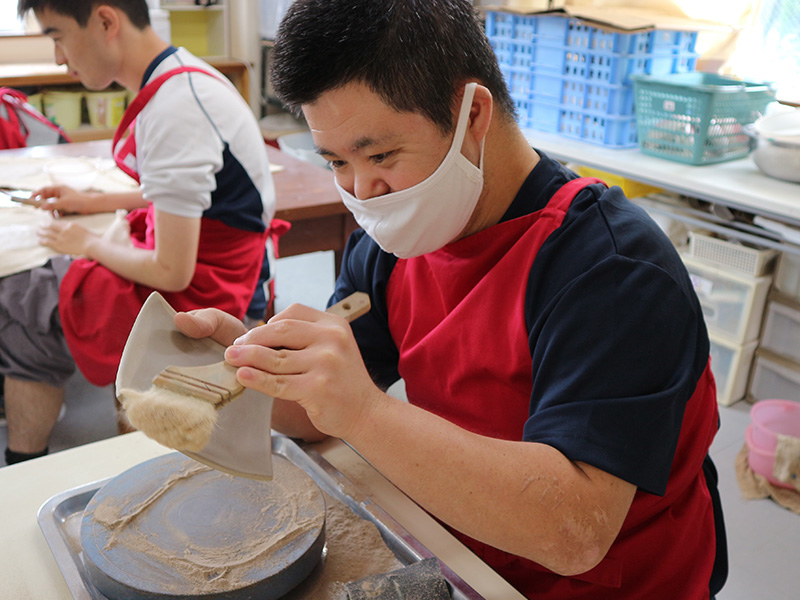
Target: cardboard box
[623, 19]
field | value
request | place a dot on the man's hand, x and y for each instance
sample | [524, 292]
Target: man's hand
[210, 322]
[311, 358]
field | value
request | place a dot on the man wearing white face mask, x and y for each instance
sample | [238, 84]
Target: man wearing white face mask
[426, 216]
[561, 404]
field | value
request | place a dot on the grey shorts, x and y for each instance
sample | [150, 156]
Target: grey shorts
[32, 344]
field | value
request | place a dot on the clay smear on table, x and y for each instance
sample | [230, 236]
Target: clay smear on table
[355, 549]
[227, 566]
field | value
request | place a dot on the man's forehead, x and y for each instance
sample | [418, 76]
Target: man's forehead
[362, 143]
[52, 21]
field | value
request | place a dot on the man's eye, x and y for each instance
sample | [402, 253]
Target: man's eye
[380, 157]
[336, 164]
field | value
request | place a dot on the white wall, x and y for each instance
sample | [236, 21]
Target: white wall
[245, 43]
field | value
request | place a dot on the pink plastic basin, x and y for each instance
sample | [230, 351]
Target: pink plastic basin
[762, 461]
[771, 417]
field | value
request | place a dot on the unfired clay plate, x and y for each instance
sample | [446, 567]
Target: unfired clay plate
[241, 443]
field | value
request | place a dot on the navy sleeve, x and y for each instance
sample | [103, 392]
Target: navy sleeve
[618, 342]
[366, 268]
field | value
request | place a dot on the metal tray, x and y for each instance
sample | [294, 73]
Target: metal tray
[60, 520]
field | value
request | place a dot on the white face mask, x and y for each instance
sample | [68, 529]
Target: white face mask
[430, 214]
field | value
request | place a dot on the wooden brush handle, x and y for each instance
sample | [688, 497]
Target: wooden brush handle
[215, 383]
[352, 307]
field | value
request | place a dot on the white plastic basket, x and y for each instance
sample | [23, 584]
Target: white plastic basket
[722, 253]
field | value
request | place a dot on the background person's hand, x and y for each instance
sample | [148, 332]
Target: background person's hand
[65, 237]
[63, 200]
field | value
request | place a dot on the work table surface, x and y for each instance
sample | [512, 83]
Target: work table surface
[29, 571]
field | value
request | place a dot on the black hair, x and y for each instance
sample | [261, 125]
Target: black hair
[136, 10]
[415, 54]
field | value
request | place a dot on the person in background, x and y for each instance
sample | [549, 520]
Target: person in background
[560, 404]
[198, 223]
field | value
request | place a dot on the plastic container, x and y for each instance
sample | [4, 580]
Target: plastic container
[771, 417]
[782, 331]
[570, 78]
[697, 118]
[731, 364]
[722, 253]
[557, 30]
[787, 276]
[35, 100]
[63, 108]
[781, 126]
[106, 108]
[732, 303]
[774, 378]
[590, 126]
[762, 461]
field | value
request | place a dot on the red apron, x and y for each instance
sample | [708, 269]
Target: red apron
[454, 287]
[98, 307]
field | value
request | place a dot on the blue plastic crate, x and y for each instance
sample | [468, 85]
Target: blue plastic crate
[576, 78]
[617, 68]
[499, 25]
[588, 126]
[575, 49]
[577, 35]
[612, 100]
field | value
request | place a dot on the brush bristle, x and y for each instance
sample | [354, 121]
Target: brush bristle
[172, 419]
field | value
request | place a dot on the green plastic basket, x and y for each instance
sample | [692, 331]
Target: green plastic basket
[697, 118]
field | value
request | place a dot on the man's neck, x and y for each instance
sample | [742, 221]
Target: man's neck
[145, 46]
[508, 159]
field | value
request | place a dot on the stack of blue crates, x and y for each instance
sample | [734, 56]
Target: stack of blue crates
[573, 79]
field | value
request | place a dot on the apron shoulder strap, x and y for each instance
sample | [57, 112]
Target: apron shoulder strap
[567, 192]
[128, 147]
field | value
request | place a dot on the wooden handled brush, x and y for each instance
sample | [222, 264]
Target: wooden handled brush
[217, 383]
[180, 409]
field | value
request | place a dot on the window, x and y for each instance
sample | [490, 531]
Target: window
[9, 23]
[770, 49]
[768, 45]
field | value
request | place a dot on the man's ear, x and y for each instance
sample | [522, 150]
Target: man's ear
[108, 18]
[480, 117]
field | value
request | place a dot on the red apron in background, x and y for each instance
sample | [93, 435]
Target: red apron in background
[98, 307]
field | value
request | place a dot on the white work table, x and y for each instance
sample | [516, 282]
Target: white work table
[737, 183]
[28, 569]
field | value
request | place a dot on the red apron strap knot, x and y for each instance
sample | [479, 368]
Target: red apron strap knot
[277, 228]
